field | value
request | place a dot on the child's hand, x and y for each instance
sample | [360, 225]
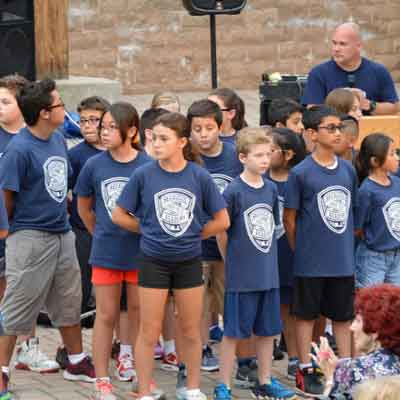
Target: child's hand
[325, 358]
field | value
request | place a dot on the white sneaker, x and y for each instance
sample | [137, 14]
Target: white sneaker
[125, 371]
[198, 396]
[30, 358]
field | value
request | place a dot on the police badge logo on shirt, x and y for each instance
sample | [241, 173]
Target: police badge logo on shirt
[334, 206]
[391, 213]
[110, 191]
[56, 177]
[222, 181]
[174, 208]
[260, 226]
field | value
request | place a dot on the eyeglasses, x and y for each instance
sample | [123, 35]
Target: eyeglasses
[90, 121]
[225, 109]
[110, 128]
[332, 128]
[61, 104]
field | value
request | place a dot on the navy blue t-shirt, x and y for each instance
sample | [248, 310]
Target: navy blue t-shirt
[5, 138]
[324, 199]
[223, 169]
[373, 78]
[285, 253]
[37, 171]
[378, 214]
[104, 178]
[251, 262]
[171, 208]
[231, 139]
[78, 156]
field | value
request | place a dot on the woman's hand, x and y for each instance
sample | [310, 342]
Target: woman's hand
[325, 358]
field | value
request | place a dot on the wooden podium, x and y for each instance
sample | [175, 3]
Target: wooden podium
[387, 124]
[51, 38]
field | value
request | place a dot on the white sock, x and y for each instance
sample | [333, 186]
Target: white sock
[6, 370]
[303, 366]
[328, 329]
[125, 349]
[76, 358]
[192, 392]
[169, 346]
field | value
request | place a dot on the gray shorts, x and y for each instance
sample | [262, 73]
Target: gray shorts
[42, 273]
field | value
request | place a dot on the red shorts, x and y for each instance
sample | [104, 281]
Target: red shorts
[107, 276]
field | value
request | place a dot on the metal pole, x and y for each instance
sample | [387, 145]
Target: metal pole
[213, 34]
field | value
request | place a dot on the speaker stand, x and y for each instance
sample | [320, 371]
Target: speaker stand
[213, 42]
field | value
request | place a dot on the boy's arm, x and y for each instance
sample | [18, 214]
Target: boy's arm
[9, 202]
[85, 211]
[222, 242]
[289, 222]
[218, 224]
[125, 220]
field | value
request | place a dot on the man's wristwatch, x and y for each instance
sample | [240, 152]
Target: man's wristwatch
[372, 107]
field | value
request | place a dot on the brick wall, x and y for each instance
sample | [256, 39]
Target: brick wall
[152, 45]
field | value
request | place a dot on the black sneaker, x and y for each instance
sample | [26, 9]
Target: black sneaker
[62, 357]
[309, 382]
[246, 375]
[278, 353]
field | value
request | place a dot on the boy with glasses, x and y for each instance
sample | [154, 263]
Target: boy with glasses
[42, 267]
[90, 111]
[318, 219]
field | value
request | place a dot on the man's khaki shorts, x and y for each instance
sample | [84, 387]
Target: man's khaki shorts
[42, 274]
[214, 283]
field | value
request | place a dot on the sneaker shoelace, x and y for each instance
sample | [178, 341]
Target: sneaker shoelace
[36, 355]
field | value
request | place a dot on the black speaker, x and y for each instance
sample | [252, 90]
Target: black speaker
[17, 38]
[291, 86]
[207, 7]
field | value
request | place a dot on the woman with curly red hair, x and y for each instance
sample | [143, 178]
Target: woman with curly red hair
[376, 331]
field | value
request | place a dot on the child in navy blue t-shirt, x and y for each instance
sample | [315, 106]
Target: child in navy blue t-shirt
[251, 269]
[233, 110]
[166, 200]
[114, 250]
[90, 111]
[221, 161]
[318, 218]
[377, 216]
[288, 150]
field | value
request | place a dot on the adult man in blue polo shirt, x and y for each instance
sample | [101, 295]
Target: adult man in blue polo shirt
[348, 68]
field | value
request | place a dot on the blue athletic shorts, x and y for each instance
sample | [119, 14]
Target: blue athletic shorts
[247, 313]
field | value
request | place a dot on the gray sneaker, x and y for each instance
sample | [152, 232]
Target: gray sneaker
[181, 382]
[156, 393]
[246, 376]
[209, 362]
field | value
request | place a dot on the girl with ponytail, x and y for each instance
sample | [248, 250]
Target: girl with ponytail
[166, 201]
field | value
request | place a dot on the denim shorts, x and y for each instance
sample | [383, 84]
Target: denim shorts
[374, 267]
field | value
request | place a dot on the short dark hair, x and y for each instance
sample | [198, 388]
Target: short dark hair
[148, 120]
[93, 103]
[205, 108]
[314, 115]
[280, 110]
[13, 83]
[33, 97]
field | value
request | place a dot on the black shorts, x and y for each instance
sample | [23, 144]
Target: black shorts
[159, 274]
[331, 297]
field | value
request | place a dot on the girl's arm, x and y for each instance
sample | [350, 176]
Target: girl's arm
[85, 211]
[125, 220]
[222, 242]
[218, 224]
[289, 222]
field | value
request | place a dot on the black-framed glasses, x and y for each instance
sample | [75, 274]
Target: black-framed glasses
[226, 109]
[90, 121]
[61, 104]
[332, 128]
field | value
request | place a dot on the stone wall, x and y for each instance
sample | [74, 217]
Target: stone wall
[152, 45]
